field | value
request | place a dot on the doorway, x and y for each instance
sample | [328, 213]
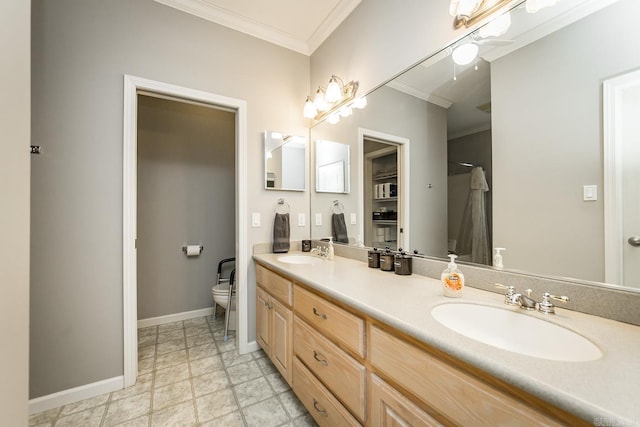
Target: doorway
[621, 98]
[132, 87]
[384, 189]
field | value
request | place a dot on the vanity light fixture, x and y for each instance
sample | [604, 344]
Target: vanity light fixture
[497, 27]
[468, 12]
[338, 99]
[535, 5]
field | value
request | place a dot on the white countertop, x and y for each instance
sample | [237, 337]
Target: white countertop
[604, 392]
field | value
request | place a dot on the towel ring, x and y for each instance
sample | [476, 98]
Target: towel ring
[282, 207]
[337, 207]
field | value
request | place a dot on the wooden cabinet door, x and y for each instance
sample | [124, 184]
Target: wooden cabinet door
[281, 338]
[389, 408]
[263, 323]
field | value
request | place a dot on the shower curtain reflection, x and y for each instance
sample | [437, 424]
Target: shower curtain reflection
[473, 239]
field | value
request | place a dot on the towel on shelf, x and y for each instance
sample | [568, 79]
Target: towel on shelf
[281, 233]
[339, 228]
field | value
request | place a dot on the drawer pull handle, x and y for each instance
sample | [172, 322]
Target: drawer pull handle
[317, 313]
[323, 412]
[320, 358]
[267, 304]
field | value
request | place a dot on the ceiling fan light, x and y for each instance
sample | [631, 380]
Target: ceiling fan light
[465, 53]
[497, 27]
[334, 93]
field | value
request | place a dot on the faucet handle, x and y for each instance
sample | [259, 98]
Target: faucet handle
[510, 298]
[546, 306]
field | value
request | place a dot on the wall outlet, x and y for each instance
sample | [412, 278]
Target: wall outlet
[318, 219]
[353, 218]
[301, 219]
[590, 193]
[255, 219]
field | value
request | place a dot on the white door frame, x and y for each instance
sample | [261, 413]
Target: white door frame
[403, 147]
[613, 232]
[132, 85]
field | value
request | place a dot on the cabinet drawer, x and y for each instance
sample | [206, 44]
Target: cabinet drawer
[460, 397]
[323, 407]
[276, 285]
[331, 320]
[341, 373]
[389, 408]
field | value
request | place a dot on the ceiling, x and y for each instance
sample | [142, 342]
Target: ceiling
[299, 25]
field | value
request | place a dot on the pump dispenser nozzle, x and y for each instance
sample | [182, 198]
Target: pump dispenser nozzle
[497, 258]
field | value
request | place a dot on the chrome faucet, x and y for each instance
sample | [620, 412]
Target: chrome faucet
[321, 251]
[526, 302]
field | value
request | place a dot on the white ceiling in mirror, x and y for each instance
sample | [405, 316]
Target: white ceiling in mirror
[299, 25]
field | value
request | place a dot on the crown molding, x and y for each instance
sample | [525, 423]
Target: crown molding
[441, 102]
[223, 17]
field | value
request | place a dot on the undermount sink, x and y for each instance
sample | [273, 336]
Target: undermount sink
[299, 259]
[515, 331]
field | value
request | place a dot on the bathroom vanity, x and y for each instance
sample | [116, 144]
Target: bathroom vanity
[359, 347]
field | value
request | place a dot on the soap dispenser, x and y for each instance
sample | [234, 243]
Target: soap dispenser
[452, 279]
[330, 252]
[497, 258]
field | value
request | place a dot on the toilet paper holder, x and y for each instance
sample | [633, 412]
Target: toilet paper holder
[185, 249]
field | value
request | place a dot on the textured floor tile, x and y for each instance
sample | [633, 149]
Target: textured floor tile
[127, 409]
[267, 366]
[198, 321]
[142, 421]
[268, 413]
[244, 372]
[169, 346]
[277, 382]
[202, 339]
[217, 324]
[146, 352]
[209, 383]
[171, 335]
[83, 405]
[170, 359]
[215, 405]
[170, 326]
[197, 330]
[179, 415]
[43, 417]
[233, 419]
[253, 391]
[150, 330]
[143, 384]
[171, 395]
[145, 366]
[146, 340]
[232, 358]
[206, 365]
[292, 404]
[218, 335]
[201, 351]
[89, 418]
[258, 354]
[305, 421]
[170, 375]
[224, 346]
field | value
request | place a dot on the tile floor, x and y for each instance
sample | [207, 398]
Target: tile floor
[189, 376]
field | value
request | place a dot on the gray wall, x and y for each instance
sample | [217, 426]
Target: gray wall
[14, 212]
[547, 143]
[80, 51]
[186, 176]
[425, 125]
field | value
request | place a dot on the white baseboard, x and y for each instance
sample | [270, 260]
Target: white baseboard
[253, 346]
[161, 320]
[76, 394]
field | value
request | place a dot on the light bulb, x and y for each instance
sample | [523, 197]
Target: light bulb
[334, 93]
[535, 5]
[463, 7]
[464, 54]
[346, 111]
[497, 27]
[360, 103]
[333, 118]
[310, 110]
[319, 100]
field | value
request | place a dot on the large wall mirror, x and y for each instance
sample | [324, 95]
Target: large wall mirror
[510, 150]
[285, 159]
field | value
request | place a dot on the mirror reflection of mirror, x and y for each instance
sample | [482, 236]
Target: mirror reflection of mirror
[332, 167]
[531, 117]
[285, 161]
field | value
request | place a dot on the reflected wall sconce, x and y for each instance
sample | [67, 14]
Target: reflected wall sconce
[337, 100]
[468, 12]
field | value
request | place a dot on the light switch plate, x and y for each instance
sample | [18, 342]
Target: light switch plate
[353, 218]
[255, 219]
[590, 192]
[301, 219]
[318, 219]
